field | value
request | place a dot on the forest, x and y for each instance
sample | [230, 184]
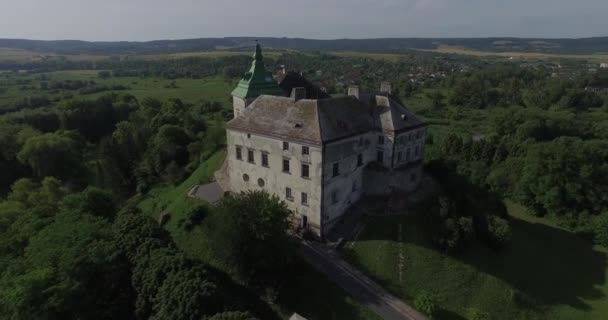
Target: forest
[84, 145]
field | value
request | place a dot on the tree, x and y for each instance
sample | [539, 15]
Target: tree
[564, 176]
[52, 154]
[69, 269]
[92, 201]
[186, 294]
[248, 226]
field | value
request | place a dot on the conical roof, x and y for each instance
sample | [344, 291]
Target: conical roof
[257, 80]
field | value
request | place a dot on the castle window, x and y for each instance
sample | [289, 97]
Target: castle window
[239, 153]
[246, 177]
[399, 156]
[265, 159]
[288, 194]
[261, 182]
[285, 146]
[380, 156]
[250, 157]
[407, 154]
[286, 165]
[359, 160]
[305, 150]
[380, 140]
[304, 198]
[417, 150]
[336, 169]
[305, 171]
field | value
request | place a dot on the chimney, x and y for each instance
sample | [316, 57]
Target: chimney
[353, 91]
[385, 87]
[298, 93]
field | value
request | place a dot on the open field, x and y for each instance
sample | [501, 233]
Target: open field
[324, 300]
[545, 273]
[189, 90]
[18, 55]
[600, 57]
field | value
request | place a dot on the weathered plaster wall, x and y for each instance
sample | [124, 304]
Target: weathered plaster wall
[275, 180]
[348, 185]
[406, 144]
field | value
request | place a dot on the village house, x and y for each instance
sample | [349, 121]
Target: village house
[320, 154]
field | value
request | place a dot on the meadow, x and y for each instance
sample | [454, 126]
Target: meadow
[598, 57]
[545, 273]
[188, 90]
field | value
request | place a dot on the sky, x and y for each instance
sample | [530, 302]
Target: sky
[142, 20]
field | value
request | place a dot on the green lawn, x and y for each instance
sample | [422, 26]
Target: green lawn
[307, 292]
[545, 273]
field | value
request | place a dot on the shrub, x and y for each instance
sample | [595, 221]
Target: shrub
[426, 303]
[499, 231]
[475, 314]
[600, 230]
[195, 216]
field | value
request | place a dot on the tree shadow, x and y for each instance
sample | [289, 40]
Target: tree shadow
[548, 265]
[312, 295]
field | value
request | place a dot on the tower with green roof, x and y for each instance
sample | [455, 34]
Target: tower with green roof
[257, 81]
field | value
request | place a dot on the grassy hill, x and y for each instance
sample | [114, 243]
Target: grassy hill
[545, 273]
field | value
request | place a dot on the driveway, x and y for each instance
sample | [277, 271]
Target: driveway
[363, 289]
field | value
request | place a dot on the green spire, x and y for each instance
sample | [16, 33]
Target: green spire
[258, 80]
[257, 56]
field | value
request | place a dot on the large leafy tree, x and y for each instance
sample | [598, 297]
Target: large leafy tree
[566, 175]
[248, 232]
[52, 154]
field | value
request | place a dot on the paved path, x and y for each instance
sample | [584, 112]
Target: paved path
[363, 289]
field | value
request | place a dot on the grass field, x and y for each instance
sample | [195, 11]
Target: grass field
[600, 57]
[545, 273]
[18, 55]
[307, 292]
[189, 90]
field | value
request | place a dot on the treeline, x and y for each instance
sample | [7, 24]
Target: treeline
[114, 142]
[545, 146]
[579, 46]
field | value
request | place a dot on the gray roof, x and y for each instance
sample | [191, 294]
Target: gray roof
[324, 120]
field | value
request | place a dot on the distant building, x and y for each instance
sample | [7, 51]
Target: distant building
[320, 154]
[604, 65]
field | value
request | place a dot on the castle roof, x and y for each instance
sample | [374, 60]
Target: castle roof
[257, 80]
[321, 121]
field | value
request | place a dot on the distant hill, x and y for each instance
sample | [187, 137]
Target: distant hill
[556, 46]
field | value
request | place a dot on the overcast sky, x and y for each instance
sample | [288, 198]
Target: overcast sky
[320, 19]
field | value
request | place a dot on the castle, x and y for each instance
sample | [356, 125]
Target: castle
[320, 154]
